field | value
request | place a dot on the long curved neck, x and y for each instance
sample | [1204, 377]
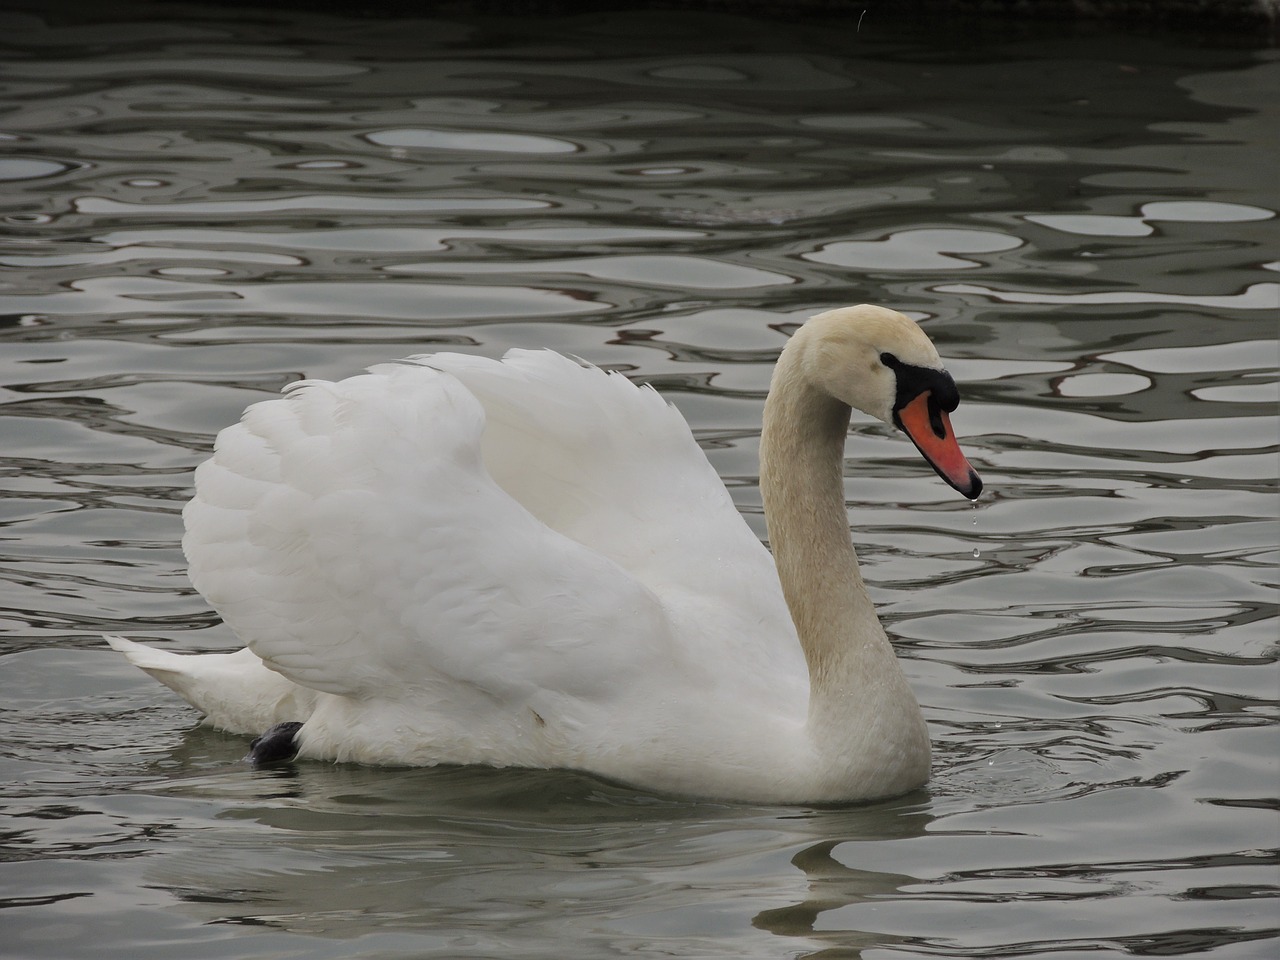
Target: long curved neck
[863, 716]
[802, 483]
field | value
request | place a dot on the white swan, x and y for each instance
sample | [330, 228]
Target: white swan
[529, 562]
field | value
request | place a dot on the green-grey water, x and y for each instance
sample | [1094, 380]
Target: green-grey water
[202, 204]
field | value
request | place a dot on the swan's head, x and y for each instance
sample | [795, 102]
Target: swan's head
[880, 362]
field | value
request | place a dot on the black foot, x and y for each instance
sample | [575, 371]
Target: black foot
[278, 744]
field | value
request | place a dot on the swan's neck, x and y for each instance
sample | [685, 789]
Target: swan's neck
[857, 689]
[802, 482]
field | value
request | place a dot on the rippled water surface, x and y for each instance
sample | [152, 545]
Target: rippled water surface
[202, 205]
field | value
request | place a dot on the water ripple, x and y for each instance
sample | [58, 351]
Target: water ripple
[200, 210]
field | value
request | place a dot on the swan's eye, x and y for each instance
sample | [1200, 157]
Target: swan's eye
[913, 381]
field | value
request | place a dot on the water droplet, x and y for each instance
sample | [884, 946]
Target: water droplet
[976, 552]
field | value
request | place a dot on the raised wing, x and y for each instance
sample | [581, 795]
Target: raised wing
[614, 467]
[351, 535]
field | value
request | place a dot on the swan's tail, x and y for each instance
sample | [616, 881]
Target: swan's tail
[235, 691]
[166, 667]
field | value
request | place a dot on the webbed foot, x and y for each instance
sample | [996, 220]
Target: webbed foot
[278, 744]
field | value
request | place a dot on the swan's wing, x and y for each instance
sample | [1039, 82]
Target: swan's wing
[615, 467]
[352, 537]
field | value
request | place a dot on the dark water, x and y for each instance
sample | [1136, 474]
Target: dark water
[202, 204]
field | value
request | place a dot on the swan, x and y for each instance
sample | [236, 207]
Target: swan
[530, 562]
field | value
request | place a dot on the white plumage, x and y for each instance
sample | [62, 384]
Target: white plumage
[530, 562]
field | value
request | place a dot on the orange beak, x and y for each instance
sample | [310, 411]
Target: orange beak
[929, 428]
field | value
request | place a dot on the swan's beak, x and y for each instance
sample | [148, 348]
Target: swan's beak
[929, 428]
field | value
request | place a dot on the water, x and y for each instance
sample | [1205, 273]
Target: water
[202, 205]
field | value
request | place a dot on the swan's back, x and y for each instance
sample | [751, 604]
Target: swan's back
[488, 538]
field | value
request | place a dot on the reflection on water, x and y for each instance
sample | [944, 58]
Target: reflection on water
[202, 207]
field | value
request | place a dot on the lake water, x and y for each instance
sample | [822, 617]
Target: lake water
[203, 204]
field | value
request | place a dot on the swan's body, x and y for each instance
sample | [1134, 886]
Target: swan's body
[529, 562]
